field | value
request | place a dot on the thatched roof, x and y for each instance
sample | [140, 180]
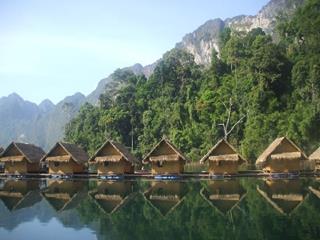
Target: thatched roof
[77, 153]
[315, 155]
[30, 152]
[16, 200]
[274, 146]
[168, 143]
[232, 154]
[122, 150]
[315, 191]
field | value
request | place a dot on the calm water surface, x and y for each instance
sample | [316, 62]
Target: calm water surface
[245, 208]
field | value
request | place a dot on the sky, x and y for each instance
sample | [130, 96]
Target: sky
[50, 49]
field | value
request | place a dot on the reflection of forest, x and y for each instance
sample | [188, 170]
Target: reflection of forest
[125, 213]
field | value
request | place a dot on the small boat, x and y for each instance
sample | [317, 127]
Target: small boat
[59, 176]
[111, 177]
[167, 177]
[290, 175]
[219, 176]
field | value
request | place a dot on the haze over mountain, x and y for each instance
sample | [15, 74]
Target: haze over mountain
[44, 124]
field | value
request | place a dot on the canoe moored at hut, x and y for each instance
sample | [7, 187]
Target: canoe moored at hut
[64, 195]
[165, 159]
[111, 196]
[21, 158]
[282, 156]
[66, 158]
[223, 195]
[223, 159]
[285, 196]
[113, 158]
[16, 194]
[315, 158]
[165, 196]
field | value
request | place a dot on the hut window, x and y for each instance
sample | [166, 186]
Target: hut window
[106, 164]
[160, 163]
[56, 164]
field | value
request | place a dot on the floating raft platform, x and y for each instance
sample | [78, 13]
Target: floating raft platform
[148, 175]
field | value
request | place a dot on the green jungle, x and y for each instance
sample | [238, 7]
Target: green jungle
[258, 87]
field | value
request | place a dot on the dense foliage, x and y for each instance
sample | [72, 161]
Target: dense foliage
[254, 90]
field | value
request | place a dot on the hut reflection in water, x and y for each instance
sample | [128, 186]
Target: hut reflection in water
[165, 196]
[16, 194]
[223, 195]
[111, 196]
[64, 195]
[283, 195]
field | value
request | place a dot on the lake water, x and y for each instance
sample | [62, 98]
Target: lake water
[244, 208]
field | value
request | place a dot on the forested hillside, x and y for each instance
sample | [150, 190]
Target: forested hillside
[256, 88]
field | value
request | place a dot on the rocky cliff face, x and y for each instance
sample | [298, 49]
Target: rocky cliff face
[203, 40]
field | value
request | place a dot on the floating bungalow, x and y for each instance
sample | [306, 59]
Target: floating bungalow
[223, 159]
[281, 156]
[165, 159]
[21, 158]
[111, 196]
[64, 195]
[165, 196]
[223, 195]
[113, 158]
[66, 158]
[17, 194]
[283, 195]
[315, 157]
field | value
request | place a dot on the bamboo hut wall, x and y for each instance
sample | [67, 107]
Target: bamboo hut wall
[115, 167]
[170, 167]
[16, 167]
[223, 167]
[108, 150]
[286, 165]
[223, 149]
[65, 168]
[163, 149]
[284, 147]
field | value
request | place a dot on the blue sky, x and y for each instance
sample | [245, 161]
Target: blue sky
[54, 48]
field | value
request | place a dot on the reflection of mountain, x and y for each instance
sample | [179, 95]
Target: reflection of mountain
[64, 195]
[20, 194]
[283, 195]
[223, 195]
[110, 196]
[166, 196]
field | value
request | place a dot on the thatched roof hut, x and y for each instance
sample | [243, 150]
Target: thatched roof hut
[17, 194]
[165, 158]
[223, 158]
[114, 158]
[22, 151]
[164, 197]
[111, 196]
[283, 195]
[21, 158]
[223, 195]
[64, 195]
[281, 149]
[66, 158]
